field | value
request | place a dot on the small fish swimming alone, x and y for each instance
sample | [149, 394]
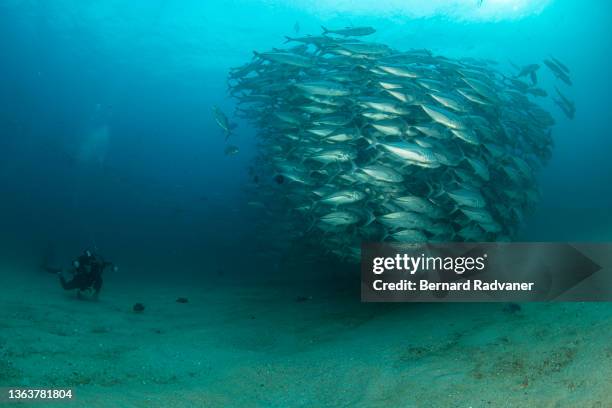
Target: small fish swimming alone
[567, 106]
[563, 67]
[222, 121]
[561, 73]
[531, 71]
[231, 150]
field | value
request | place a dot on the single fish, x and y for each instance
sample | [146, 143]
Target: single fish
[382, 173]
[286, 58]
[350, 31]
[231, 150]
[343, 197]
[222, 121]
[444, 117]
[340, 218]
[326, 88]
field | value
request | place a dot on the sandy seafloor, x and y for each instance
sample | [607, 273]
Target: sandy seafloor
[247, 345]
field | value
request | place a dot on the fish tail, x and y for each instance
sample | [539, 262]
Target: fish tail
[314, 205]
[325, 30]
[371, 218]
[373, 142]
[463, 155]
[288, 39]
[434, 193]
[311, 226]
[335, 175]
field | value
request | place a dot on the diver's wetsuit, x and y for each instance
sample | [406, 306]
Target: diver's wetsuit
[87, 275]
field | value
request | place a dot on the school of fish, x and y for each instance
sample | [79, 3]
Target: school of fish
[360, 142]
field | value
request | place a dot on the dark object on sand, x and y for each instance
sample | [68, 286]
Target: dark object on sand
[280, 179]
[512, 308]
[138, 307]
[303, 298]
[182, 300]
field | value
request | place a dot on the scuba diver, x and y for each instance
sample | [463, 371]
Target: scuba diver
[87, 274]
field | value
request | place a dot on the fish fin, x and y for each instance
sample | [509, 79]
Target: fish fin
[325, 30]
[372, 200]
[372, 140]
[312, 225]
[432, 191]
[463, 155]
[514, 65]
[314, 205]
[334, 176]
[371, 218]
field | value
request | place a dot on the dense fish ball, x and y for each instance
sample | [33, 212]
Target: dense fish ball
[360, 142]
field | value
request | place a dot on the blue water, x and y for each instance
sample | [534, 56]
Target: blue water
[151, 70]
